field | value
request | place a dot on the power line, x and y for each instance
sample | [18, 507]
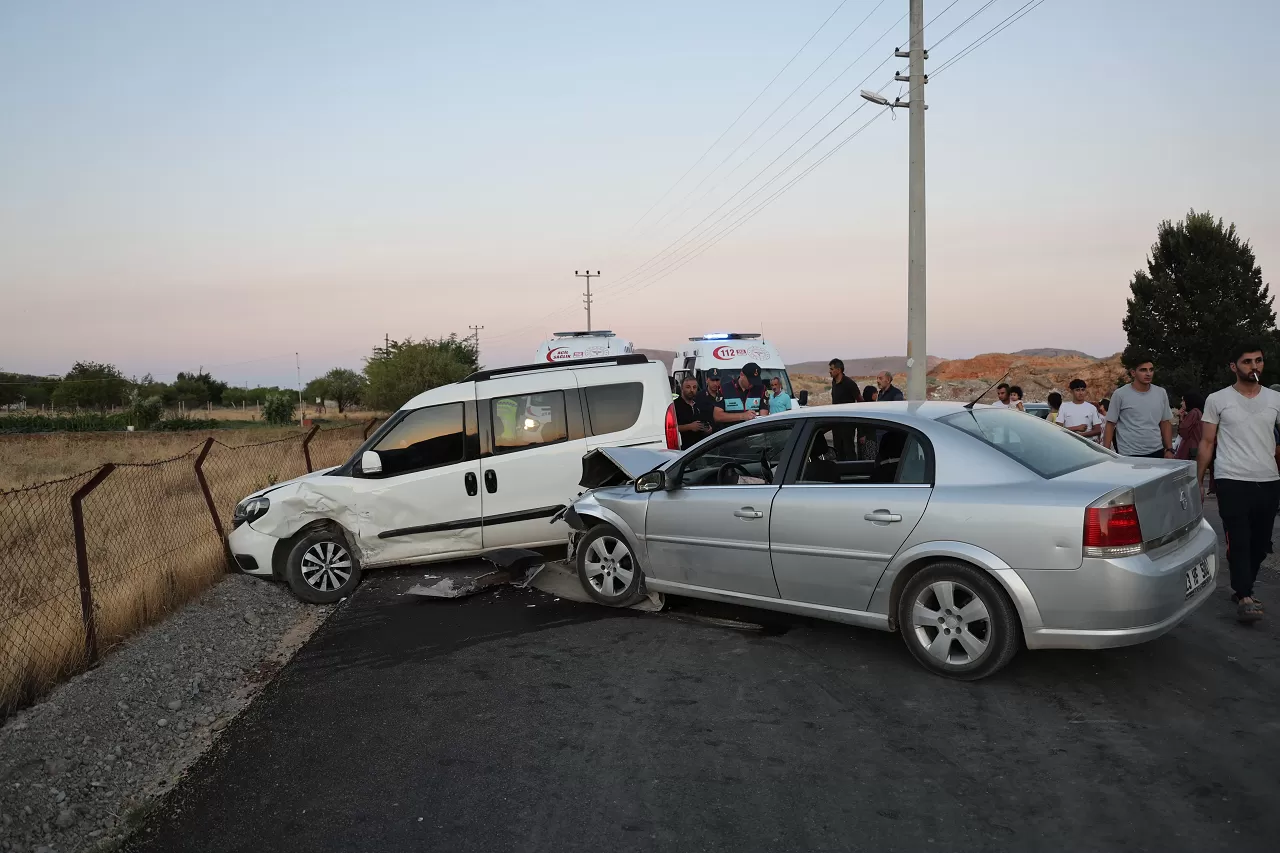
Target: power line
[644, 281]
[655, 275]
[745, 110]
[774, 112]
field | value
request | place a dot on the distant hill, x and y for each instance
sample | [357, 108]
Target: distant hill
[1052, 353]
[862, 367]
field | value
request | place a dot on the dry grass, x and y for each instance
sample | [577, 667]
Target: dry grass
[150, 541]
[26, 460]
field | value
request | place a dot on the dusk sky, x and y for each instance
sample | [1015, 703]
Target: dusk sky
[223, 184]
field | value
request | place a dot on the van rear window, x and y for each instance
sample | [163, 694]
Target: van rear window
[613, 408]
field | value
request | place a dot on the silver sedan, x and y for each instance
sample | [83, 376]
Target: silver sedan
[970, 531]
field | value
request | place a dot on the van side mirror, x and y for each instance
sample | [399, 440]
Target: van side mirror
[803, 397]
[654, 481]
[370, 463]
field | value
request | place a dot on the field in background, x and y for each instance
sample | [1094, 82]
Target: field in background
[26, 460]
[150, 540]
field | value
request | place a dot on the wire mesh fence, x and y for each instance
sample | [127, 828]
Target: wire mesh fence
[87, 560]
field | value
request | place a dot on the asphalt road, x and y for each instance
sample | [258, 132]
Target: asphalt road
[512, 721]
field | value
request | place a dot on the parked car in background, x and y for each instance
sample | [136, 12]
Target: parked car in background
[970, 531]
[461, 469]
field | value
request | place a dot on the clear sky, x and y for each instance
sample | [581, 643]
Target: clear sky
[223, 184]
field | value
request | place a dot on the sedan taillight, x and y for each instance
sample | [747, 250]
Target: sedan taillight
[673, 429]
[1111, 527]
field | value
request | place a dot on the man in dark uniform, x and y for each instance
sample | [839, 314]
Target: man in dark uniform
[707, 400]
[693, 417]
[744, 399]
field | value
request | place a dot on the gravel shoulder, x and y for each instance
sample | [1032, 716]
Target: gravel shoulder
[82, 768]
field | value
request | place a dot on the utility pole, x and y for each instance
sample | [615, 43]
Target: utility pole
[588, 275]
[302, 409]
[917, 350]
[475, 337]
[917, 354]
[386, 342]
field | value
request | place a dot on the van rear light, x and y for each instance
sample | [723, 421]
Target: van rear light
[1111, 527]
[673, 429]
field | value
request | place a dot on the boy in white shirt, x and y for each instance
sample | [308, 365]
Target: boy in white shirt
[1078, 415]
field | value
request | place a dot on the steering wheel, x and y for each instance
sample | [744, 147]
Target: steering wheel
[737, 469]
[766, 470]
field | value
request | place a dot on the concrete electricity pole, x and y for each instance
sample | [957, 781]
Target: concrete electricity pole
[917, 351]
[475, 337]
[588, 275]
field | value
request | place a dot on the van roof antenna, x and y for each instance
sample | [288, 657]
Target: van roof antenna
[971, 403]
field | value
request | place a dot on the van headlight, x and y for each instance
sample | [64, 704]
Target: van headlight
[249, 509]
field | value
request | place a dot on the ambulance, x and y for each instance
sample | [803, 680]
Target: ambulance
[728, 352]
[574, 346]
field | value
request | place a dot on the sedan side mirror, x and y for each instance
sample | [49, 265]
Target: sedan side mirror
[370, 463]
[803, 397]
[654, 481]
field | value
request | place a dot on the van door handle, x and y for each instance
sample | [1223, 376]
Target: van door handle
[748, 512]
[472, 486]
[882, 516]
[490, 481]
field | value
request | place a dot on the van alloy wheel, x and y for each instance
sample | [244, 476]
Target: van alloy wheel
[326, 566]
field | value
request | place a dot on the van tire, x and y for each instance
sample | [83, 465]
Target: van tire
[322, 567]
[608, 569]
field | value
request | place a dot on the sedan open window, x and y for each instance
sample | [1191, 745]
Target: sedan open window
[746, 458]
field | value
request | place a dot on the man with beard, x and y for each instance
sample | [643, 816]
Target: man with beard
[1239, 423]
[693, 415]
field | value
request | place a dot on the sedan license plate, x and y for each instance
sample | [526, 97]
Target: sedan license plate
[1197, 576]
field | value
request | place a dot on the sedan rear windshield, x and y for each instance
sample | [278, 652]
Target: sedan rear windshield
[1048, 450]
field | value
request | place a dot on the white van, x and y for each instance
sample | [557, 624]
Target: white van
[573, 346]
[729, 351]
[461, 469]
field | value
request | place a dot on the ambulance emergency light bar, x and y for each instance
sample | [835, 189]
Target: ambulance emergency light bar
[728, 336]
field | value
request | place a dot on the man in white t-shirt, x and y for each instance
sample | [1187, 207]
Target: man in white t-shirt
[1002, 396]
[1078, 415]
[1240, 422]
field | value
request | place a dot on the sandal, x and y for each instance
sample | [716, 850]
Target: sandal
[1248, 611]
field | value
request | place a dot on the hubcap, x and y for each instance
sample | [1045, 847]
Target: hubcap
[609, 567]
[951, 623]
[326, 566]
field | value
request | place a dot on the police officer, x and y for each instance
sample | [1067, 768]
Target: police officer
[744, 399]
[708, 399]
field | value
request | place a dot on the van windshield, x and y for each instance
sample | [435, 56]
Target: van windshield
[730, 374]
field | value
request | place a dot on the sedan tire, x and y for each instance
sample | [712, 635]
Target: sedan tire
[958, 622]
[321, 567]
[609, 572]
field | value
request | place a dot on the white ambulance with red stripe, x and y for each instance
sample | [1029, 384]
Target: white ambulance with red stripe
[728, 352]
[574, 346]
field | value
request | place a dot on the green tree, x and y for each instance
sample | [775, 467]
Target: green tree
[343, 386]
[1201, 293]
[278, 409]
[190, 390]
[91, 385]
[317, 388]
[403, 369]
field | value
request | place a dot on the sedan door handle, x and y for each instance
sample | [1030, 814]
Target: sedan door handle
[748, 512]
[882, 516]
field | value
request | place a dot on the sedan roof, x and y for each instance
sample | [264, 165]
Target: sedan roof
[931, 410]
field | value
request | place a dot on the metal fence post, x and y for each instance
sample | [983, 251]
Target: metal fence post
[208, 501]
[82, 560]
[306, 450]
[368, 427]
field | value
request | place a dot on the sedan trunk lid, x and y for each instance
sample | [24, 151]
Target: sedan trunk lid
[1165, 492]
